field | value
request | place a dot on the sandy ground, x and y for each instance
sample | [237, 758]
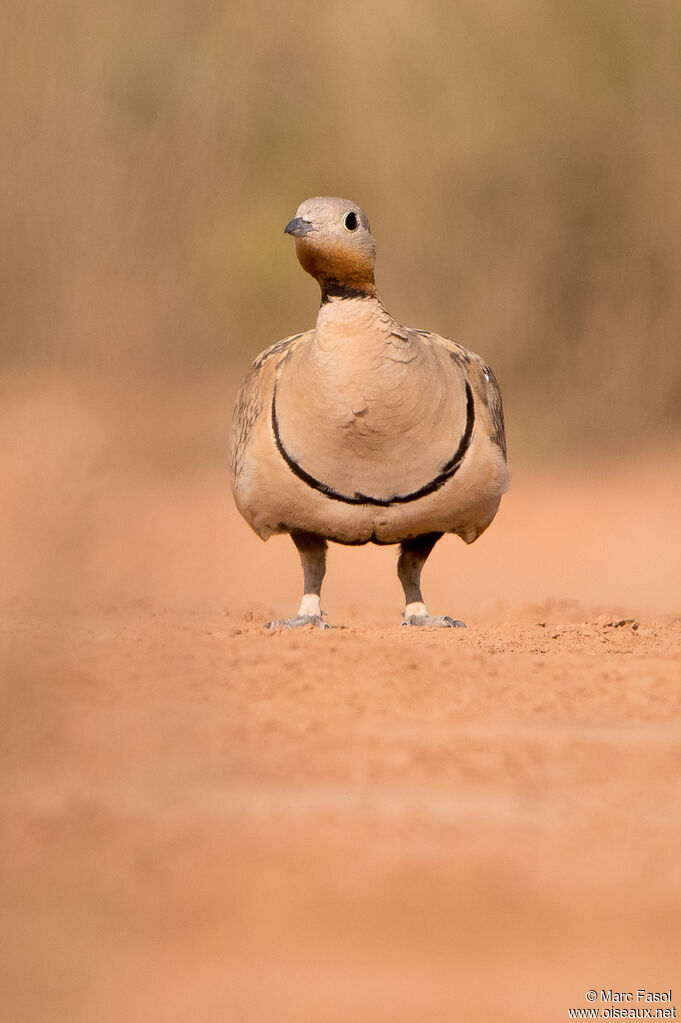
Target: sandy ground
[203, 821]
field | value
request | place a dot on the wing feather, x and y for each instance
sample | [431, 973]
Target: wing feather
[482, 380]
[251, 401]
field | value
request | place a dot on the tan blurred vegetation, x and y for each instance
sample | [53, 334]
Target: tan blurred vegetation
[519, 161]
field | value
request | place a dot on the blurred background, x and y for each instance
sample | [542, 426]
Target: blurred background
[519, 162]
[380, 815]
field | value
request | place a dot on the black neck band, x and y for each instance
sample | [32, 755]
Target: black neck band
[332, 288]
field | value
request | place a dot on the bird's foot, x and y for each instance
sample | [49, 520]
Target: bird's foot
[416, 613]
[295, 623]
[434, 621]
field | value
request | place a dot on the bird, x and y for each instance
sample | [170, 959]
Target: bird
[361, 430]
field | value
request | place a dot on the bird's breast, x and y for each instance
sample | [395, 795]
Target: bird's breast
[358, 421]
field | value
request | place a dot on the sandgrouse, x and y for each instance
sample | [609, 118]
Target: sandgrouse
[364, 430]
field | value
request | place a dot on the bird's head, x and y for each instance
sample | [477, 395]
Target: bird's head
[335, 245]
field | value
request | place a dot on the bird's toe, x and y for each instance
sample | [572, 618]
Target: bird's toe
[434, 621]
[316, 621]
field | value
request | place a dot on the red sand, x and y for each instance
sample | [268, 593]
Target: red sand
[203, 821]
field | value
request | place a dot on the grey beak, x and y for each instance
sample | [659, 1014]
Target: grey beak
[298, 227]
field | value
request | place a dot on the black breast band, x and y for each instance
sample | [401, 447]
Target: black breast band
[445, 473]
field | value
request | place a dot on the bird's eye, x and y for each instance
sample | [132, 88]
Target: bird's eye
[350, 221]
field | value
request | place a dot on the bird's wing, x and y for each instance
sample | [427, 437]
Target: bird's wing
[482, 381]
[255, 397]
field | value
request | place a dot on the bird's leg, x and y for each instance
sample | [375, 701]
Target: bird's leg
[413, 555]
[312, 550]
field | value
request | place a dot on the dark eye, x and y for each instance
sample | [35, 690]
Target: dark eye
[350, 221]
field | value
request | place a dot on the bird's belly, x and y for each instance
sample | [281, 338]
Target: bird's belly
[274, 499]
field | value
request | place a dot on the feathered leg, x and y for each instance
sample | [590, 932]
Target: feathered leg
[312, 550]
[413, 556]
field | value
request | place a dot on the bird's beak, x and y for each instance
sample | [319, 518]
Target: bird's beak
[298, 227]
